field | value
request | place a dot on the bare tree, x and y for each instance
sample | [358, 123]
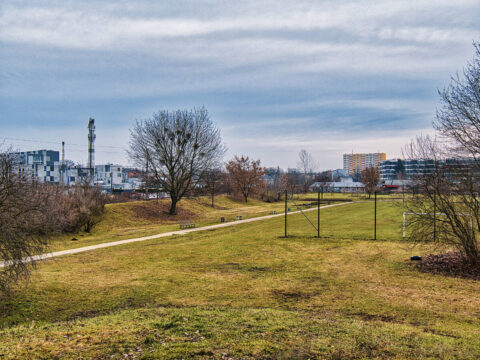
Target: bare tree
[179, 147]
[447, 209]
[370, 177]
[26, 216]
[306, 166]
[458, 120]
[246, 176]
[213, 180]
[323, 181]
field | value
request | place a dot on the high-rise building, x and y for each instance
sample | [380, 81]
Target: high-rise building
[356, 163]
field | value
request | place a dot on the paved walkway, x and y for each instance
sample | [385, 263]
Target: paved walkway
[161, 235]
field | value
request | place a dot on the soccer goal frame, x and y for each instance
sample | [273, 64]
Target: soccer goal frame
[404, 228]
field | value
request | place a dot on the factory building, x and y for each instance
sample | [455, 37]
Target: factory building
[109, 174]
[43, 165]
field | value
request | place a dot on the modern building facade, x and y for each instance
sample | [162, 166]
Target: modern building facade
[355, 163]
[43, 165]
[398, 169]
[109, 174]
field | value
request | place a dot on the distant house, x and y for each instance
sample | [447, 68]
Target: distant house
[339, 186]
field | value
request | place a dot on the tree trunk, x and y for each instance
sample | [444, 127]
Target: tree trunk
[173, 205]
[213, 200]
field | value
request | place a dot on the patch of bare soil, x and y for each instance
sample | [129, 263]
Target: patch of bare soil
[158, 211]
[450, 264]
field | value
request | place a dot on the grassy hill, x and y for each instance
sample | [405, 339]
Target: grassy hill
[246, 292]
[142, 218]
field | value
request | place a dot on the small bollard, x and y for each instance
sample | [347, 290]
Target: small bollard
[239, 217]
[222, 219]
[289, 209]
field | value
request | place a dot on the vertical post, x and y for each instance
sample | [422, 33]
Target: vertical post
[404, 230]
[403, 191]
[375, 219]
[146, 180]
[435, 216]
[318, 214]
[111, 181]
[286, 211]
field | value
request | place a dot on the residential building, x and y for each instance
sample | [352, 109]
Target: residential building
[354, 164]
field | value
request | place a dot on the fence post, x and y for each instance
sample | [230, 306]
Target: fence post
[435, 216]
[318, 214]
[286, 211]
[375, 219]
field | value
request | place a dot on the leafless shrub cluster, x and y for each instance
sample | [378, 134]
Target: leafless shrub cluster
[274, 191]
[31, 211]
[80, 207]
[447, 206]
[25, 219]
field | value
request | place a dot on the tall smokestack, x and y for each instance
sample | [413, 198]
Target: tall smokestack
[91, 147]
[62, 164]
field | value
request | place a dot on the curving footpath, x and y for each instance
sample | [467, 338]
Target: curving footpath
[157, 236]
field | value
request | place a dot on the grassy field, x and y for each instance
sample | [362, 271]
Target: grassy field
[140, 218]
[246, 292]
[136, 219]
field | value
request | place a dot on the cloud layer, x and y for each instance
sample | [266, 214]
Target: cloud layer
[277, 76]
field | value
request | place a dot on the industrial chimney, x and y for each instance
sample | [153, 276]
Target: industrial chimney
[91, 147]
[62, 164]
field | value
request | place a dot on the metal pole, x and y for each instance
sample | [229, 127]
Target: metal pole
[375, 219]
[435, 216]
[318, 214]
[286, 211]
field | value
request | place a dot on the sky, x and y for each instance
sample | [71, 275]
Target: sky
[330, 77]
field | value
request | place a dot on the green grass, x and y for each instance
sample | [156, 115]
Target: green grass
[246, 292]
[140, 218]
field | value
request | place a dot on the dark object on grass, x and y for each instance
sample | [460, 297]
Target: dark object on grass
[74, 239]
[416, 257]
[222, 219]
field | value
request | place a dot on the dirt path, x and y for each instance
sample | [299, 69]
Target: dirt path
[161, 235]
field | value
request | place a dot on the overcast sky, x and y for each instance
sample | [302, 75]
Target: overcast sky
[276, 76]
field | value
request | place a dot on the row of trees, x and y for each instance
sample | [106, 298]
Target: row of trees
[181, 151]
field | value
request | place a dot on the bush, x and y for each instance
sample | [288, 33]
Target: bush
[81, 207]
